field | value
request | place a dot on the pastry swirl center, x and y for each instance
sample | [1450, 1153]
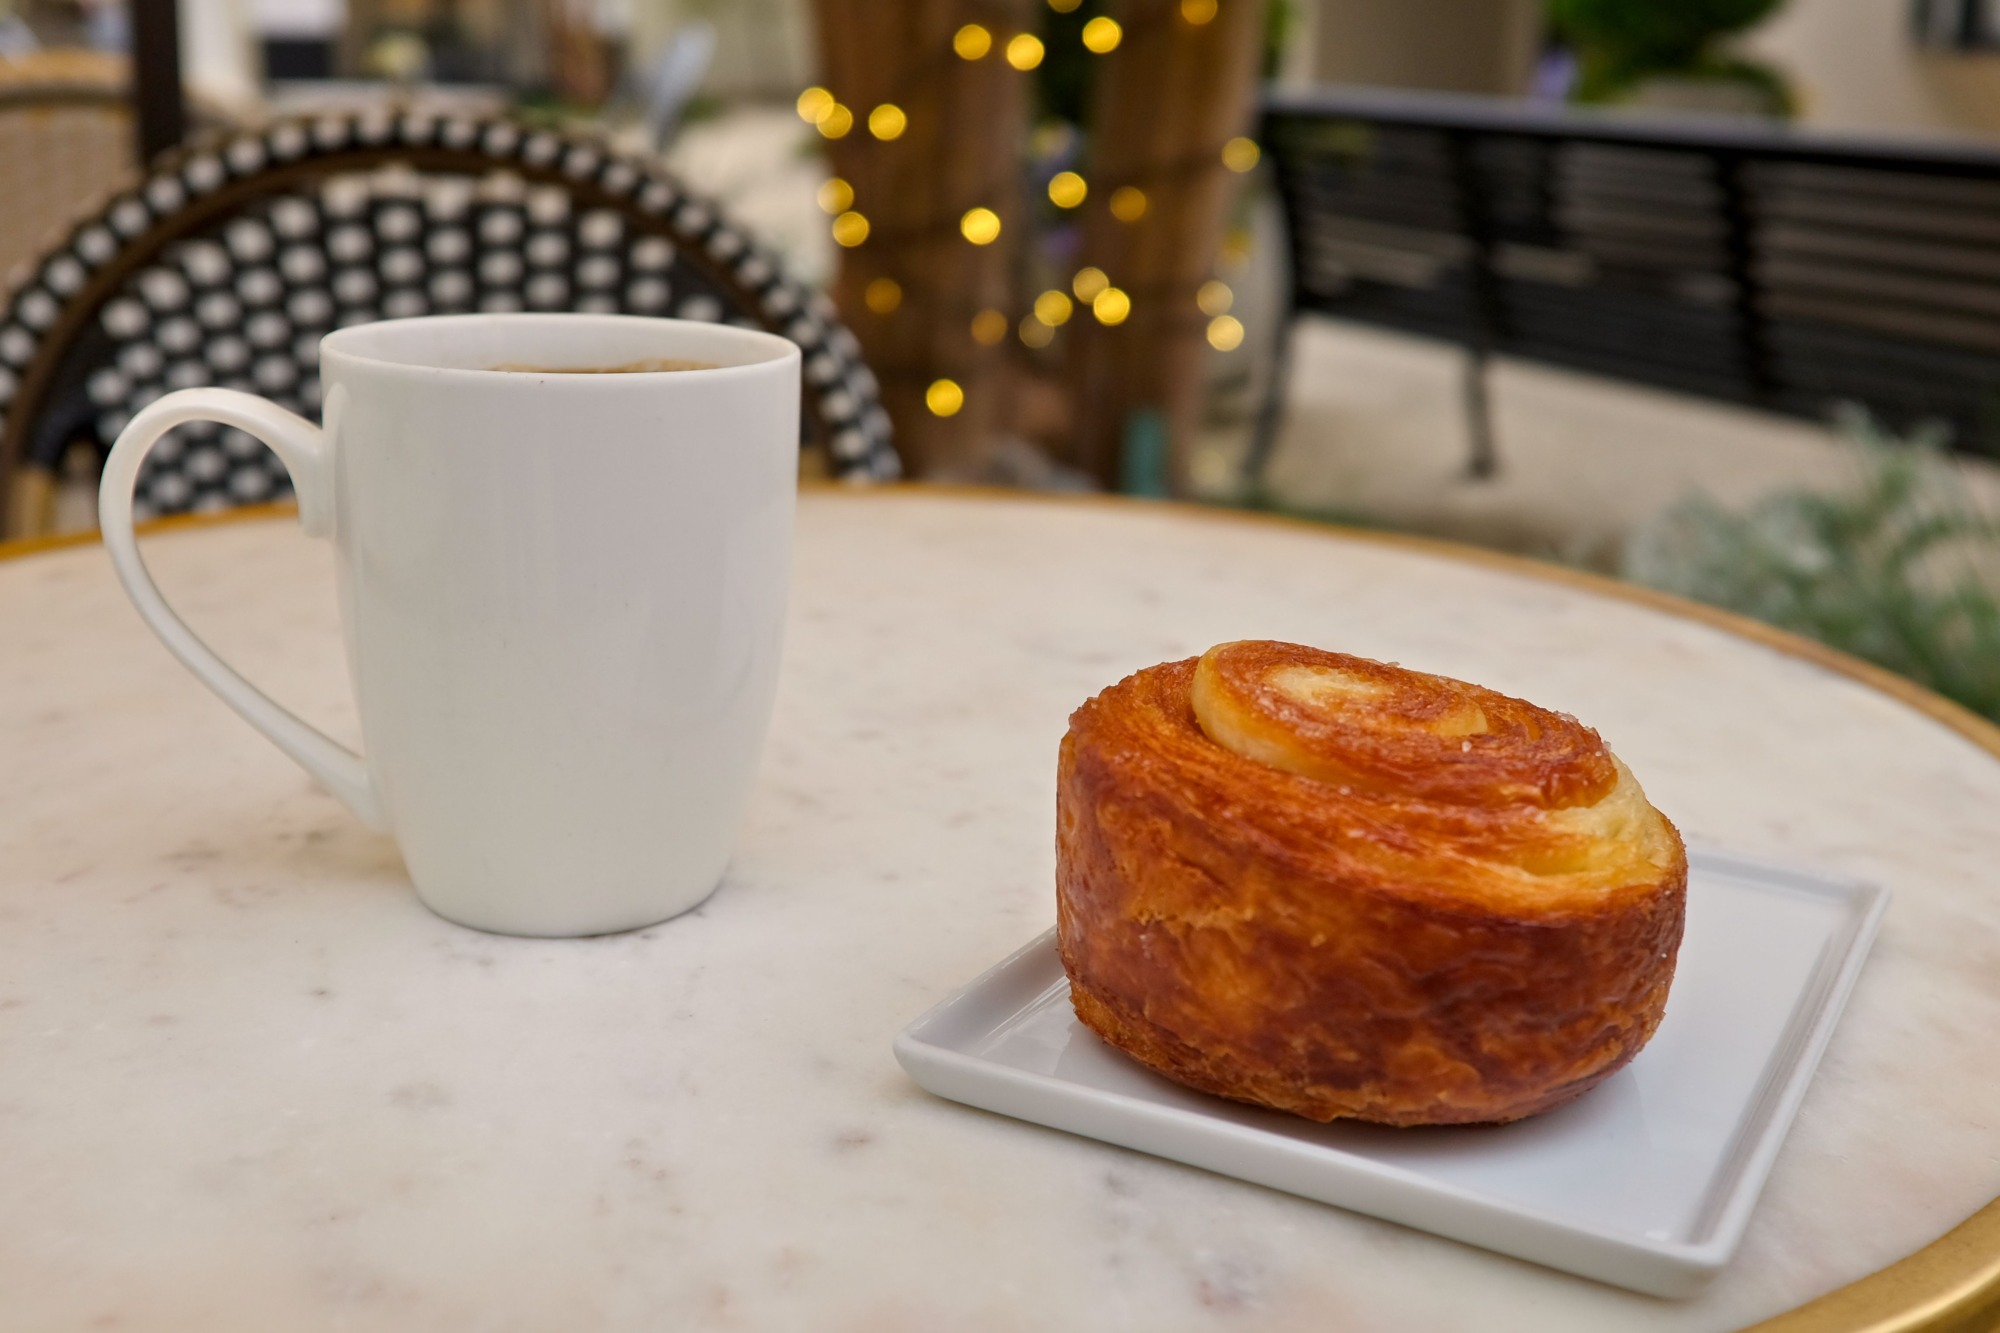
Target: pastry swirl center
[1374, 728]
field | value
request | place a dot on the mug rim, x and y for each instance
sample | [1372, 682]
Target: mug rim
[777, 349]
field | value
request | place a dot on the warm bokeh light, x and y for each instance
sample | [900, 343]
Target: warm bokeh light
[944, 397]
[1088, 282]
[1064, 6]
[1215, 298]
[836, 195]
[850, 229]
[1197, 12]
[814, 103]
[836, 123]
[1111, 306]
[1240, 154]
[981, 226]
[1225, 333]
[1024, 51]
[883, 295]
[1102, 34]
[989, 326]
[971, 42]
[1035, 333]
[887, 121]
[1128, 203]
[1067, 189]
[1236, 245]
[1053, 308]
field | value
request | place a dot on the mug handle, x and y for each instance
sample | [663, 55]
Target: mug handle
[303, 448]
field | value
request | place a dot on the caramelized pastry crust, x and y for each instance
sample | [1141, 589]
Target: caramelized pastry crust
[1339, 888]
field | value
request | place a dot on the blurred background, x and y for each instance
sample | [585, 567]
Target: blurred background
[1704, 293]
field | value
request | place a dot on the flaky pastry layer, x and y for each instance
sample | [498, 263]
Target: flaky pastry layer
[1343, 889]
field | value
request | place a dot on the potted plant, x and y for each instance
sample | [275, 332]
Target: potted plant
[1669, 53]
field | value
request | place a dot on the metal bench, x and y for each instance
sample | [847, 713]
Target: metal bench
[1755, 264]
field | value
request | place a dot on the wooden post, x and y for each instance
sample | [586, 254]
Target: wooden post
[1166, 101]
[158, 111]
[580, 71]
[958, 148]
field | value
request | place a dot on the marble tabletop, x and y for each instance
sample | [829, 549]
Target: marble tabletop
[247, 1082]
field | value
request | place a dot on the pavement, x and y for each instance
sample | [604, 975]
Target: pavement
[1374, 429]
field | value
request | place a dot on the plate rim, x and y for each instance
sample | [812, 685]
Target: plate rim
[1679, 1266]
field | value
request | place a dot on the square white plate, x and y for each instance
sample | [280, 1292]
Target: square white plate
[1646, 1182]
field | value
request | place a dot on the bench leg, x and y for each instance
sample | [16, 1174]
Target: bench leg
[1483, 459]
[1270, 413]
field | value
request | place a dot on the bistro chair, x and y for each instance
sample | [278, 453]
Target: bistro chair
[233, 257]
[65, 144]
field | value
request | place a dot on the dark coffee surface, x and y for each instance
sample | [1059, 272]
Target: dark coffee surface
[648, 366]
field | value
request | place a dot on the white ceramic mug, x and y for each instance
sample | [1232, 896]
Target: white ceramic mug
[563, 597]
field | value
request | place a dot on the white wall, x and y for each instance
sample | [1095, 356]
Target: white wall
[219, 57]
[764, 48]
[1476, 46]
[1855, 68]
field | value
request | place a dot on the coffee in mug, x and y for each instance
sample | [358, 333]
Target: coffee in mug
[651, 365]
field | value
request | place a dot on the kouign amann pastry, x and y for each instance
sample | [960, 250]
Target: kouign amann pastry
[1342, 889]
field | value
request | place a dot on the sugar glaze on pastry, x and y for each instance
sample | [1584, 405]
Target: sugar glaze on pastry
[1339, 888]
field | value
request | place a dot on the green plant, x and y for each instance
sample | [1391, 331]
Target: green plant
[1619, 44]
[1901, 568]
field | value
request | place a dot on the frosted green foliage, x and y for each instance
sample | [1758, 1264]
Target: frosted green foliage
[1900, 567]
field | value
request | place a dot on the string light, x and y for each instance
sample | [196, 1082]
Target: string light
[1067, 189]
[944, 397]
[989, 326]
[850, 229]
[814, 104]
[1128, 203]
[1053, 308]
[1109, 305]
[836, 196]
[837, 122]
[887, 121]
[981, 226]
[883, 295]
[971, 42]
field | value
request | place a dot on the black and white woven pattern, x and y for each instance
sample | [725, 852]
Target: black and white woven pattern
[509, 219]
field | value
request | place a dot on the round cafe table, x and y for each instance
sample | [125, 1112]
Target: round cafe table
[247, 1082]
